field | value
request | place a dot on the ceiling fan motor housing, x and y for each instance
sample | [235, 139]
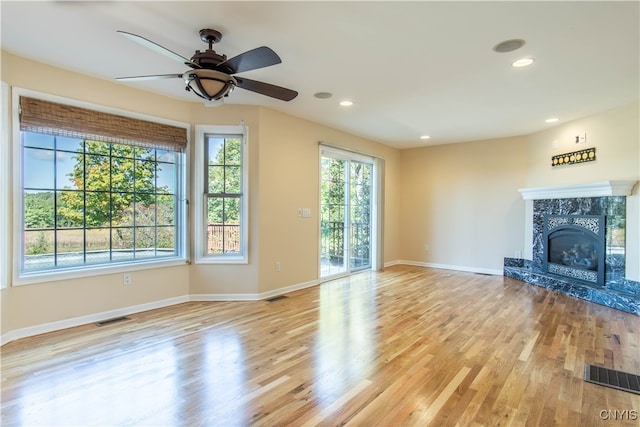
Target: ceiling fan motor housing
[208, 59]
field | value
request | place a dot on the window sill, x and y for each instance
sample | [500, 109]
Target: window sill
[86, 271]
[222, 260]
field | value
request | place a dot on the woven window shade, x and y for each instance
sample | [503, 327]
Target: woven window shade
[52, 118]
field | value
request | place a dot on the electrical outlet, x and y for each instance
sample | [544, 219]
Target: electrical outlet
[427, 248]
[126, 279]
[518, 255]
[277, 265]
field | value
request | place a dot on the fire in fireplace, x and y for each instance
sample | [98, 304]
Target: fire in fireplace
[574, 246]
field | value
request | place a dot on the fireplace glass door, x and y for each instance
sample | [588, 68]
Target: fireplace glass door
[574, 246]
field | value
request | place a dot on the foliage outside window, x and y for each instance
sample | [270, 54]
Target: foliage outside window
[89, 202]
[345, 214]
[223, 194]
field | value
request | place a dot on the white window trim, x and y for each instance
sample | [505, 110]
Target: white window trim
[5, 121]
[200, 208]
[86, 271]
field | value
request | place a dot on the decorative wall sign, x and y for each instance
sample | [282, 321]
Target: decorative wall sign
[581, 156]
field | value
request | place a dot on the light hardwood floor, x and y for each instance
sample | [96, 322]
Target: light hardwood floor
[408, 346]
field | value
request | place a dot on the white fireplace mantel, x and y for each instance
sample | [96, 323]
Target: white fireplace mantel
[595, 189]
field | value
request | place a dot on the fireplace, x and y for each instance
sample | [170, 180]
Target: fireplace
[579, 244]
[574, 247]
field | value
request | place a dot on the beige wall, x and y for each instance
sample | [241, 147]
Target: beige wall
[283, 162]
[221, 279]
[462, 201]
[616, 136]
[36, 304]
[23, 73]
[284, 176]
[289, 179]
[462, 197]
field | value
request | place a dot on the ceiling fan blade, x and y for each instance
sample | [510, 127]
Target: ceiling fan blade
[259, 57]
[152, 77]
[266, 89]
[160, 49]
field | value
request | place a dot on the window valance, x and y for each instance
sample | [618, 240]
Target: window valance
[37, 115]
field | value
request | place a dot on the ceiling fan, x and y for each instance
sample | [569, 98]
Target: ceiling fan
[211, 76]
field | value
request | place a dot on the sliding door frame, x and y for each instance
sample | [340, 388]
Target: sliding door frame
[376, 232]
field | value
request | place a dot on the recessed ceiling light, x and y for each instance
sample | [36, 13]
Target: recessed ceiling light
[509, 45]
[346, 103]
[522, 62]
[425, 137]
[322, 95]
[551, 120]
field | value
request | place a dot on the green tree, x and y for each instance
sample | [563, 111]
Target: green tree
[113, 177]
[225, 178]
[38, 210]
[333, 206]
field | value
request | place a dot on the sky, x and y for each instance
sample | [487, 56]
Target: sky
[40, 169]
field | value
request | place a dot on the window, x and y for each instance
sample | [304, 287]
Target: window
[92, 202]
[222, 179]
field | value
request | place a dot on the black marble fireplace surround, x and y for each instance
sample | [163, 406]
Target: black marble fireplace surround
[611, 289]
[613, 208]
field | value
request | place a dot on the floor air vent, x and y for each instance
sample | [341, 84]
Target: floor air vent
[278, 298]
[111, 321]
[611, 378]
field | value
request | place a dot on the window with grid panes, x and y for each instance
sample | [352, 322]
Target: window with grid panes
[223, 194]
[92, 202]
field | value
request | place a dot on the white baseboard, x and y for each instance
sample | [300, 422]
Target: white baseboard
[252, 297]
[451, 267]
[96, 317]
[89, 318]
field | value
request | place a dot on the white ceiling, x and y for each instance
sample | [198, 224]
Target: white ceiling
[411, 68]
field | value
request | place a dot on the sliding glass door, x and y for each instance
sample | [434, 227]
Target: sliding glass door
[346, 200]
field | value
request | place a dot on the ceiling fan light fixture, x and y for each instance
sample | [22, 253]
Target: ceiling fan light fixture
[209, 84]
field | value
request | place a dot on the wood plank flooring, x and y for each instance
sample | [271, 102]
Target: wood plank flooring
[407, 346]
